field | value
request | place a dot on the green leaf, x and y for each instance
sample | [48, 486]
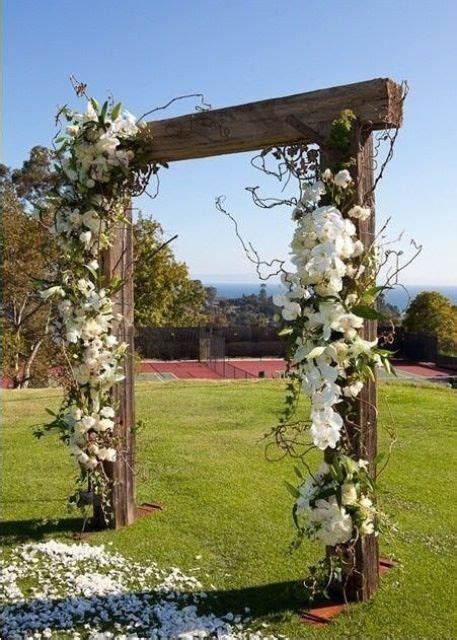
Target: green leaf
[116, 111]
[298, 473]
[285, 332]
[324, 493]
[95, 104]
[387, 365]
[291, 489]
[103, 111]
[373, 291]
[380, 457]
[366, 312]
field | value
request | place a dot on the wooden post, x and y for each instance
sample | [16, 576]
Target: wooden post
[361, 571]
[363, 581]
[118, 261]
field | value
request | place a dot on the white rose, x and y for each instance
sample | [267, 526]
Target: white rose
[106, 453]
[104, 424]
[108, 412]
[88, 422]
[342, 179]
[359, 213]
[348, 493]
[312, 193]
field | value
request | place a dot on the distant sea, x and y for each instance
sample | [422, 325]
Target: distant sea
[398, 296]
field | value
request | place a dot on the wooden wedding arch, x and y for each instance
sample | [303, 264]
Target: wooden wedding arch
[304, 118]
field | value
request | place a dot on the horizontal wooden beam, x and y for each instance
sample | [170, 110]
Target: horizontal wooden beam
[257, 125]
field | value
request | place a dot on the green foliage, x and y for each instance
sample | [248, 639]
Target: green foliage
[165, 295]
[433, 314]
[249, 310]
[340, 137]
[27, 251]
[389, 311]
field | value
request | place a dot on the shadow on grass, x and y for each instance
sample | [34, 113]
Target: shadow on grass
[14, 531]
[272, 599]
[275, 601]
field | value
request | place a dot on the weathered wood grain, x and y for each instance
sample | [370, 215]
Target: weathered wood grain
[363, 581]
[118, 261]
[302, 117]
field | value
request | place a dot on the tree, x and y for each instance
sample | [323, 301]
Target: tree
[26, 251]
[388, 310]
[433, 314]
[165, 295]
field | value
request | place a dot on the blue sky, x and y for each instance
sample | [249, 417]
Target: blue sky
[146, 52]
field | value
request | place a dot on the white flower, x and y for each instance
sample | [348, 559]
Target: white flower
[342, 179]
[358, 249]
[93, 265]
[325, 428]
[111, 340]
[353, 390]
[312, 193]
[108, 412]
[85, 286]
[90, 114]
[72, 130]
[91, 220]
[348, 493]
[334, 523]
[291, 311]
[104, 424]
[327, 175]
[88, 422]
[107, 454]
[91, 329]
[51, 292]
[359, 213]
[85, 237]
[347, 323]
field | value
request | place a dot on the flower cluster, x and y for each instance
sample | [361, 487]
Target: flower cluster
[324, 309]
[334, 507]
[327, 255]
[94, 170]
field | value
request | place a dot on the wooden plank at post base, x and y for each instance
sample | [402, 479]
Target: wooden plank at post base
[118, 261]
[364, 581]
[302, 117]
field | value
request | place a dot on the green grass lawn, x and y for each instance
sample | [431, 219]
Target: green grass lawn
[201, 454]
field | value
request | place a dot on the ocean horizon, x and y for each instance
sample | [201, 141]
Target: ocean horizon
[399, 296]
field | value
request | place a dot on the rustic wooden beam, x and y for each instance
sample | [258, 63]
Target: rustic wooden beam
[363, 581]
[257, 125]
[361, 567]
[118, 261]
